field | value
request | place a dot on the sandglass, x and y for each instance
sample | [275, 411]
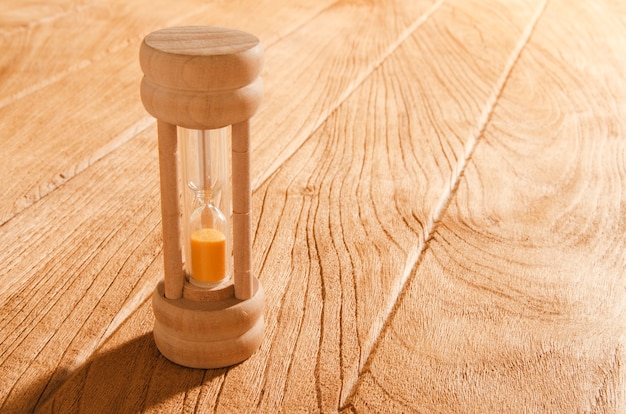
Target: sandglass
[202, 85]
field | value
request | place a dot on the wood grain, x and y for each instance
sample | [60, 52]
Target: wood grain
[342, 46]
[80, 259]
[105, 119]
[332, 267]
[519, 302]
[367, 190]
[438, 215]
[91, 46]
[23, 14]
[91, 30]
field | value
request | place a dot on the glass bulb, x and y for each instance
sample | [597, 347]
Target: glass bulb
[207, 210]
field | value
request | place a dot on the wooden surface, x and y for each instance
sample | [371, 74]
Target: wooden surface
[439, 208]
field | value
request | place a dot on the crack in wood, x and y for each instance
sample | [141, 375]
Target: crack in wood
[440, 208]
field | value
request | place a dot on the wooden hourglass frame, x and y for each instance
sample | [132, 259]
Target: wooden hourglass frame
[204, 78]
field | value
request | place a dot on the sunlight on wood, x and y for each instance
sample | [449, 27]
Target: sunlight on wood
[438, 214]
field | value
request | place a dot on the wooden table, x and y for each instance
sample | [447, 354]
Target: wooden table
[439, 208]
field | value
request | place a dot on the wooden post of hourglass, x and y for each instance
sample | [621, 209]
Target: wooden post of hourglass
[244, 286]
[204, 78]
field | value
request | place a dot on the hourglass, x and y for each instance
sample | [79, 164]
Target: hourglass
[202, 85]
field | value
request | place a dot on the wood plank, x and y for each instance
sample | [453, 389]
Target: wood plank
[337, 229]
[362, 196]
[81, 257]
[70, 85]
[52, 40]
[63, 38]
[519, 304]
[58, 353]
[16, 15]
[323, 63]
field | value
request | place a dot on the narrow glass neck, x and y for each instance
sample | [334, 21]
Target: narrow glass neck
[204, 161]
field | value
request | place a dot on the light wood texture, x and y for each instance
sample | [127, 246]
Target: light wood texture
[107, 246]
[437, 212]
[242, 238]
[518, 303]
[170, 210]
[103, 45]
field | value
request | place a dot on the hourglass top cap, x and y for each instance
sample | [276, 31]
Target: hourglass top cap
[201, 76]
[201, 58]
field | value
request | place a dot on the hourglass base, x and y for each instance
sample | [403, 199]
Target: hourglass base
[213, 333]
